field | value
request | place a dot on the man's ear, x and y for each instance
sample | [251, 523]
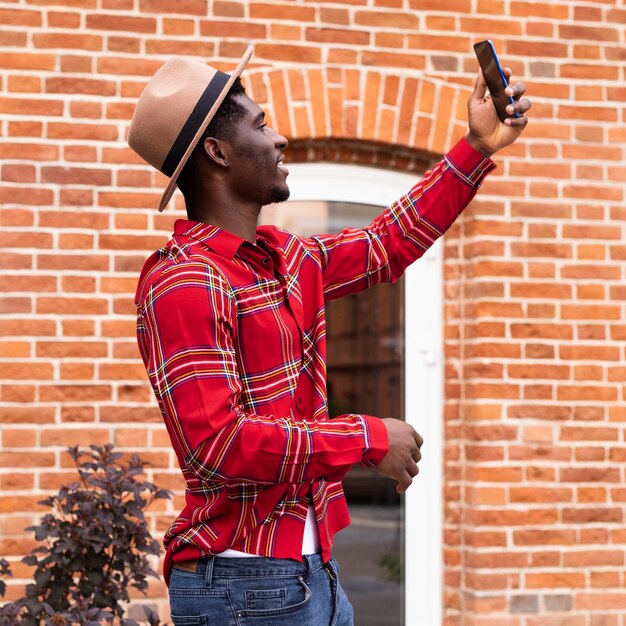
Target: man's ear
[214, 149]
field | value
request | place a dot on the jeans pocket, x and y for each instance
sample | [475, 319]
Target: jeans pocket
[269, 597]
[200, 607]
[265, 599]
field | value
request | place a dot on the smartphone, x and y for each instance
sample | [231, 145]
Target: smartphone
[494, 77]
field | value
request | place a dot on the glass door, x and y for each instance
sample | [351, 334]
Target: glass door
[365, 374]
[365, 350]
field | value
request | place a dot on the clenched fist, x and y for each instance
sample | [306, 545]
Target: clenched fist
[400, 463]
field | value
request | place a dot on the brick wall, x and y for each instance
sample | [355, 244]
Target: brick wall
[535, 272]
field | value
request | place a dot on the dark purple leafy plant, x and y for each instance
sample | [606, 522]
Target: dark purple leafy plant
[95, 546]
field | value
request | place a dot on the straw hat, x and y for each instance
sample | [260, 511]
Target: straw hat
[173, 112]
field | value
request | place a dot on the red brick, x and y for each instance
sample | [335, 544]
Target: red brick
[555, 372]
[118, 4]
[76, 64]
[393, 59]
[593, 33]
[592, 152]
[30, 106]
[18, 173]
[12, 38]
[285, 32]
[593, 352]
[24, 84]
[86, 154]
[27, 61]
[588, 393]
[69, 349]
[74, 393]
[582, 71]
[296, 13]
[74, 436]
[554, 250]
[291, 53]
[458, 6]
[124, 44]
[14, 482]
[73, 241]
[228, 8]
[120, 414]
[554, 580]
[15, 349]
[67, 40]
[15, 17]
[588, 113]
[177, 46]
[32, 459]
[571, 433]
[77, 371]
[28, 151]
[337, 35]
[605, 312]
[63, 19]
[119, 65]
[75, 176]
[10, 504]
[125, 371]
[334, 15]
[102, 21]
[73, 306]
[191, 7]
[497, 560]
[602, 601]
[544, 537]
[62, 84]
[18, 438]
[81, 131]
[387, 19]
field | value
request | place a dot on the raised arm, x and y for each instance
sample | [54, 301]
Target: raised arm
[356, 259]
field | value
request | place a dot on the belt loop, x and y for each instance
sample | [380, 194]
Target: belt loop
[307, 561]
[208, 574]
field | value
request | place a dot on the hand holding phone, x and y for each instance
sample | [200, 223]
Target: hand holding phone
[494, 77]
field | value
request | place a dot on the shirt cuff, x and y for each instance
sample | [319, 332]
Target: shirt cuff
[379, 442]
[468, 164]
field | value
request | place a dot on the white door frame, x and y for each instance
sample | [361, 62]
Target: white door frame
[423, 376]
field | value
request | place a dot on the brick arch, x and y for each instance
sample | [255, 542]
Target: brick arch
[348, 109]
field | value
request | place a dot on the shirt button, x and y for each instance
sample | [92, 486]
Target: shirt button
[299, 400]
[266, 261]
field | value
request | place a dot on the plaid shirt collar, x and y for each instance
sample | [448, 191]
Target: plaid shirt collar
[220, 241]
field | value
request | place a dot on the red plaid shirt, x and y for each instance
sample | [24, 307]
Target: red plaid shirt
[232, 335]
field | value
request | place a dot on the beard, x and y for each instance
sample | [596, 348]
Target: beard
[279, 193]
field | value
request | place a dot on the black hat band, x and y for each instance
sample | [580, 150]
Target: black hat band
[194, 121]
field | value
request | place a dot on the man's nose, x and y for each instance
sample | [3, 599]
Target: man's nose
[279, 140]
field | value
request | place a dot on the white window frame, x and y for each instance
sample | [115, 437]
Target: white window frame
[423, 534]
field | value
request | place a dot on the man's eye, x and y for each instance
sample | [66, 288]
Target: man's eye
[263, 126]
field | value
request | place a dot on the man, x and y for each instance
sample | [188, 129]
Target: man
[231, 330]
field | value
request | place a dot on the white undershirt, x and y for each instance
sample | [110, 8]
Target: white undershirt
[310, 540]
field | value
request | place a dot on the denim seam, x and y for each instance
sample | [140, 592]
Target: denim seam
[198, 592]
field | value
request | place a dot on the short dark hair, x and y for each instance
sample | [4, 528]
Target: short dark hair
[230, 111]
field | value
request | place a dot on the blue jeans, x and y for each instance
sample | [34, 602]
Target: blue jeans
[259, 591]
